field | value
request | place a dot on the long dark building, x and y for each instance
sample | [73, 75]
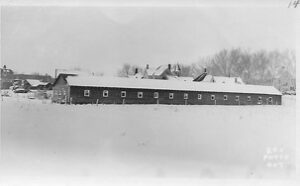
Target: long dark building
[100, 90]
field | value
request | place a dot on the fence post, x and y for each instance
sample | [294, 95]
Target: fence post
[97, 102]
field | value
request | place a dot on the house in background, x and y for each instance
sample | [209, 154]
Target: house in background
[11, 79]
[162, 72]
[34, 84]
[222, 79]
[6, 77]
[204, 77]
[148, 72]
[166, 72]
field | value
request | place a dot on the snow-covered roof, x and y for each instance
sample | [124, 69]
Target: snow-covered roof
[35, 82]
[176, 78]
[160, 70]
[207, 78]
[168, 85]
[222, 79]
[74, 72]
[137, 76]
[150, 71]
[185, 78]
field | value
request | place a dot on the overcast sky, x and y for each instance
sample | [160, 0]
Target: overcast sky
[40, 39]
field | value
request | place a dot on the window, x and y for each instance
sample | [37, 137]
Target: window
[225, 97]
[105, 93]
[249, 98]
[185, 96]
[155, 95]
[123, 94]
[237, 98]
[171, 95]
[140, 94]
[259, 99]
[199, 96]
[212, 97]
[86, 93]
[270, 99]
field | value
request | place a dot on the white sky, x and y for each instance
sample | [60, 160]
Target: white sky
[101, 39]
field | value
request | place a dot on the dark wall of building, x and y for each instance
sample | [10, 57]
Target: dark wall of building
[114, 97]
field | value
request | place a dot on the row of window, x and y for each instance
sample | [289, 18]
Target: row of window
[171, 96]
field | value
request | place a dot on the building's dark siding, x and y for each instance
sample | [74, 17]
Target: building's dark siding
[76, 95]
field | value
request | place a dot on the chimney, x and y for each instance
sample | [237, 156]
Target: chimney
[235, 80]
[147, 66]
[136, 71]
[169, 66]
[179, 69]
[55, 74]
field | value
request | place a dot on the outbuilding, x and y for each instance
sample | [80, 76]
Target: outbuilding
[34, 84]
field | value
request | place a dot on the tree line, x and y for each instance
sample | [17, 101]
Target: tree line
[261, 67]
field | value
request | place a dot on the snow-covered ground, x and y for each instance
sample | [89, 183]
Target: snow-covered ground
[40, 139]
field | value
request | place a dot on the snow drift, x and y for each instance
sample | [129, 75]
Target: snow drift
[44, 139]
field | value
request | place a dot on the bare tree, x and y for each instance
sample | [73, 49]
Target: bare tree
[128, 70]
[277, 68]
[124, 72]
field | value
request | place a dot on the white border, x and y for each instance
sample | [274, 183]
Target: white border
[163, 3]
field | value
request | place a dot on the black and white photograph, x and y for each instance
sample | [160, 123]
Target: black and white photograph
[148, 92]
